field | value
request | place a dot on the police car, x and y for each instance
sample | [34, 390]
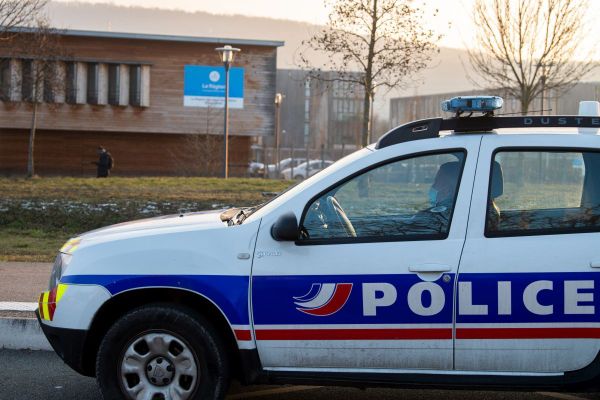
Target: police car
[460, 252]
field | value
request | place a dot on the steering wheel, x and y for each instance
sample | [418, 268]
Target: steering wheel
[333, 209]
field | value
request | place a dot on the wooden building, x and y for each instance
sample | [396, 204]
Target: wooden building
[126, 92]
[321, 117]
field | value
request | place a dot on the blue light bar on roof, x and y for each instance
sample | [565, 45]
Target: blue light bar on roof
[483, 104]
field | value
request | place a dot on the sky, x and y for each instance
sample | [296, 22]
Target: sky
[453, 20]
[312, 11]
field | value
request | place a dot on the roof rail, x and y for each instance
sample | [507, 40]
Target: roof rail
[431, 128]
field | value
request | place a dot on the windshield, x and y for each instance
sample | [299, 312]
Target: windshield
[300, 186]
[237, 215]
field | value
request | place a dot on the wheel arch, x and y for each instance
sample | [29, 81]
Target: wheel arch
[120, 304]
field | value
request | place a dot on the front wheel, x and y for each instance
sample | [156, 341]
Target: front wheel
[162, 352]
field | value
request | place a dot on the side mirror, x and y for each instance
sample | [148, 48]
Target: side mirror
[285, 228]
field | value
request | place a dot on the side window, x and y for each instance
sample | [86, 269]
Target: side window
[409, 199]
[543, 192]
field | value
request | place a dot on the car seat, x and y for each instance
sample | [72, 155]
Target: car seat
[496, 190]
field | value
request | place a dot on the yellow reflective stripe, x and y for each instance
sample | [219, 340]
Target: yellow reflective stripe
[60, 290]
[70, 246]
[45, 311]
[66, 246]
[41, 305]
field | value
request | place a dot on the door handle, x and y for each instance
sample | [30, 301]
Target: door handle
[595, 264]
[432, 268]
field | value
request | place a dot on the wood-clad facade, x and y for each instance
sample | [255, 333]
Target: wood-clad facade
[157, 135]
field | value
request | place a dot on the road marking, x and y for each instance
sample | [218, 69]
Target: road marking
[269, 392]
[562, 396]
[17, 306]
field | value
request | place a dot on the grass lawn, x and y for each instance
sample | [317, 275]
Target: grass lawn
[38, 215]
[30, 244]
[238, 190]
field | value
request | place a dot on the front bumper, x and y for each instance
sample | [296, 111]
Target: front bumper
[69, 344]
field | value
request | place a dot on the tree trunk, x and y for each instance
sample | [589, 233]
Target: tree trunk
[525, 100]
[30, 161]
[366, 122]
[369, 84]
[525, 105]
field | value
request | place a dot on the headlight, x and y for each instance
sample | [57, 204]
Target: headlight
[60, 266]
[62, 261]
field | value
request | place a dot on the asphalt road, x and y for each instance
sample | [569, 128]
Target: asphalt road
[36, 375]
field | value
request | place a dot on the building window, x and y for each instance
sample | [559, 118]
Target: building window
[51, 82]
[5, 79]
[71, 83]
[27, 80]
[114, 84]
[135, 85]
[92, 83]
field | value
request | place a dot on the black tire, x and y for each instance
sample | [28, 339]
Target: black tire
[299, 177]
[184, 324]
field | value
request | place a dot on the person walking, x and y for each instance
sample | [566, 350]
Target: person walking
[105, 163]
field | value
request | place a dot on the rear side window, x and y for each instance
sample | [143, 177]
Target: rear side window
[543, 192]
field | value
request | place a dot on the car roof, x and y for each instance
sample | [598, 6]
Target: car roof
[437, 127]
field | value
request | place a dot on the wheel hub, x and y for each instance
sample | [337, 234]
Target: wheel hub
[160, 371]
[158, 366]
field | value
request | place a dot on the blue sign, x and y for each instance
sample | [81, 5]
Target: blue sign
[204, 86]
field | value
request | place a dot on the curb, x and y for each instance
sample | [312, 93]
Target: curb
[22, 334]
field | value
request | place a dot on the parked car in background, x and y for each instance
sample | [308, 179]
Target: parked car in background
[255, 169]
[274, 172]
[300, 172]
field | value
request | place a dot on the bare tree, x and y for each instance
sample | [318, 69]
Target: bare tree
[528, 46]
[42, 78]
[18, 13]
[386, 41]
[14, 16]
[199, 155]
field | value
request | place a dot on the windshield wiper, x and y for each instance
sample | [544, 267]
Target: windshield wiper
[235, 216]
[245, 213]
[229, 214]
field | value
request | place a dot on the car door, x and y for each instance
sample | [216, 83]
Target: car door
[528, 279]
[375, 293]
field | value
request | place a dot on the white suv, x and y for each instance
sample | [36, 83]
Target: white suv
[300, 172]
[287, 163]
[464, 259]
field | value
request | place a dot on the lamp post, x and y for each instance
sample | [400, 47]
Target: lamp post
[544, 81]
[227, 54]
[278, 100]
[372, 100]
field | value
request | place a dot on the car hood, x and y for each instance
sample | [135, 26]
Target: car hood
[200, 220]
[191, 244]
